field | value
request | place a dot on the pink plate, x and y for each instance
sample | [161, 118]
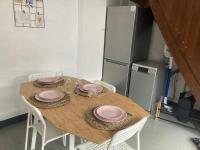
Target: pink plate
[49, 96]
[90, 87]
[82, 90]
[109, 113]
[46, 100]
[49, 80]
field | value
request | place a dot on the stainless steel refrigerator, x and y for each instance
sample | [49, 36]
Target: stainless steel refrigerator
[128, 31]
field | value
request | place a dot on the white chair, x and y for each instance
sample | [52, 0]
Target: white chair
[48, 132]
[117, 141]
[106, 85]
[36, 76]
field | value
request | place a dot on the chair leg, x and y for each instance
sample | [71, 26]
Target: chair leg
[26, 140]
[138, 141]
[43, 144]
[83, 141]
[71, 142]
[31, 119]
[64, 140]
[27, 132]
[34, 135]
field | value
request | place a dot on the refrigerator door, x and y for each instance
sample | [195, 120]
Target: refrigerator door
[119, 33]
[116, 73]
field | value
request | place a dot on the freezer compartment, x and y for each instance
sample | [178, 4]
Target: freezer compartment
[116, 73]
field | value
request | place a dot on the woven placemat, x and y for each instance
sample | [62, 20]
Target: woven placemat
[43, 105]
[60, 83]
[79, 92]
[96, 123]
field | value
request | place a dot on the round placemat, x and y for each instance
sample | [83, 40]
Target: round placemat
[96, 123]
[79, 92]
[53, 85]
[44, 105]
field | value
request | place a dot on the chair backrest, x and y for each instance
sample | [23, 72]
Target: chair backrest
[106, 85]
[34, 111]
[127, 133]
[36, 76]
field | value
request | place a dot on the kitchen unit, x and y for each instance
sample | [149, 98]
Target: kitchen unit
[128, 32]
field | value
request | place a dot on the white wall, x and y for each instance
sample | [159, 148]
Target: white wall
[91, 38]
[25, 50]
[157, 44]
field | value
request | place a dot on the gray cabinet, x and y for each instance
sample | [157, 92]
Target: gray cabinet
[146, 84]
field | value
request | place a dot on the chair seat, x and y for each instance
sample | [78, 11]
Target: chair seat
[93, 146]
[52, 132]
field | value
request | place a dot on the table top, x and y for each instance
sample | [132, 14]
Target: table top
[70, 117]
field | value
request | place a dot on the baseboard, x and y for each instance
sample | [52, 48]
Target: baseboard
[12, 120]
[12, 117]
[12, 114]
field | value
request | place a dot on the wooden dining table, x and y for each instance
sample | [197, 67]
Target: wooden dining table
[71, 117]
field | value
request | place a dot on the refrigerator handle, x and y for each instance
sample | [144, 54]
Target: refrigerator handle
[117, 62]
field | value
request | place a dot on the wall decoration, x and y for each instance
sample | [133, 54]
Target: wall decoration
[29, 13]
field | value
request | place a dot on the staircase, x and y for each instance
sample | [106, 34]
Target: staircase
[179, 22]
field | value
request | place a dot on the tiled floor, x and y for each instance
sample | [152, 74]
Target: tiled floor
[157, 135]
